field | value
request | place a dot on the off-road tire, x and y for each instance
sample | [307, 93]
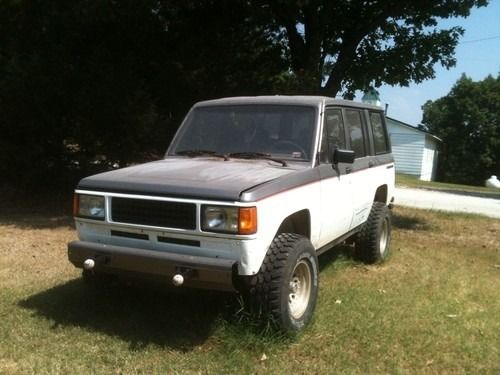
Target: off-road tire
[373, 240]
[286, 288]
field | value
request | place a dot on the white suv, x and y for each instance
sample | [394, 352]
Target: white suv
[250, 192]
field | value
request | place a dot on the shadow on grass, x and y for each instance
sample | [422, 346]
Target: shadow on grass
[400, 221]
[138, 314]
[335, 254]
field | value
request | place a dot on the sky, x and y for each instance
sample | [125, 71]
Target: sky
[478, 55]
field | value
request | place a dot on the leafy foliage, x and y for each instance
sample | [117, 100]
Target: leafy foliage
[468, 121]
[85, 85]
[342, 46]
[74, 85]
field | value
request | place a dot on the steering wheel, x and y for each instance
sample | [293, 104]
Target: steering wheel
[289, 145]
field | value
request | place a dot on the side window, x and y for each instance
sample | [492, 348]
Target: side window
[355, 132]
[379, 136]
[333, 134]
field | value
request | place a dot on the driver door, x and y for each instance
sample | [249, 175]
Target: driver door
[336, 193]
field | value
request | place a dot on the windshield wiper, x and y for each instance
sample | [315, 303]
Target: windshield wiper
[193, 153]
[256, 155]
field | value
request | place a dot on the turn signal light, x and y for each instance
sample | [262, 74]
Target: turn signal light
[247, 221]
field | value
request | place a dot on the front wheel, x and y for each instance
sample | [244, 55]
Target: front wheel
[286, 287]
[373, 240]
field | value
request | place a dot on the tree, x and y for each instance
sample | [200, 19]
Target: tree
[468, 121]
[87, 84]
[220, 50]
[72, 78]
[337, 47]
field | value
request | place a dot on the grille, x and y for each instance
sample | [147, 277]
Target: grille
[154, 213]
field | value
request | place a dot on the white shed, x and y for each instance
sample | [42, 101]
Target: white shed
[415, 150]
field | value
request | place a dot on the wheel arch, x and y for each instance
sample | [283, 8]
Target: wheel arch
[298, 223]
[381, 194]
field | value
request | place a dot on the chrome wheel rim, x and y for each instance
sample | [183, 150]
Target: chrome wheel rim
[299, 289]
[384, 237]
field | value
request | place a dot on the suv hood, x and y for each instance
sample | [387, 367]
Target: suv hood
[201, 177]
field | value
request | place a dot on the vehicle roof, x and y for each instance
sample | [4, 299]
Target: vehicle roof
[285, 100]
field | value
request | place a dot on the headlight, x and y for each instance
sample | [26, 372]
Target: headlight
[89, 206]
[226, 219]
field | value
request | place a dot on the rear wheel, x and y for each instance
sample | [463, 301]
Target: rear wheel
[372, 242]
[286, 287]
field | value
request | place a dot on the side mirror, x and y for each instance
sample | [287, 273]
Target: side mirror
[343, 156]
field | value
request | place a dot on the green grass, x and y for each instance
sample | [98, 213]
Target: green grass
[433, 308]
[405, 180]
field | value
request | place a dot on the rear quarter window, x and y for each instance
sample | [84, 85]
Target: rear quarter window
[378, 133]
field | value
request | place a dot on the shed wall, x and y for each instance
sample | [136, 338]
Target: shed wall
[407, 147]
[408, 151]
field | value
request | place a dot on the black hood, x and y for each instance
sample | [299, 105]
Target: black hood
[204, 177]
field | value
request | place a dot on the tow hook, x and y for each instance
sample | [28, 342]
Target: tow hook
[181, 276]
[89, 264]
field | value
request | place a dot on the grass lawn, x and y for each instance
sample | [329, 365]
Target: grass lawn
[433, 308]
[405, 180]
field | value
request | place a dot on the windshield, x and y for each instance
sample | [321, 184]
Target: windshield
[275, 130]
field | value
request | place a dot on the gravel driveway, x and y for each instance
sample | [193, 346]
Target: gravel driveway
[448, 201]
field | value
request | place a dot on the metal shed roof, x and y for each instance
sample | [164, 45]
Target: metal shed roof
[414, 128]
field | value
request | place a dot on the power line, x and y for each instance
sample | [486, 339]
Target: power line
[480, 40]
[482, 60]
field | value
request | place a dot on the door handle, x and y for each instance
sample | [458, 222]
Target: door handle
[348, 170]
[371, 164]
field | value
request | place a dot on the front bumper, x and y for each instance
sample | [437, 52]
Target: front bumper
[200, 272]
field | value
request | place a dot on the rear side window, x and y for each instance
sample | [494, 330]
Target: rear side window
[355, 132]
[379, 135]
